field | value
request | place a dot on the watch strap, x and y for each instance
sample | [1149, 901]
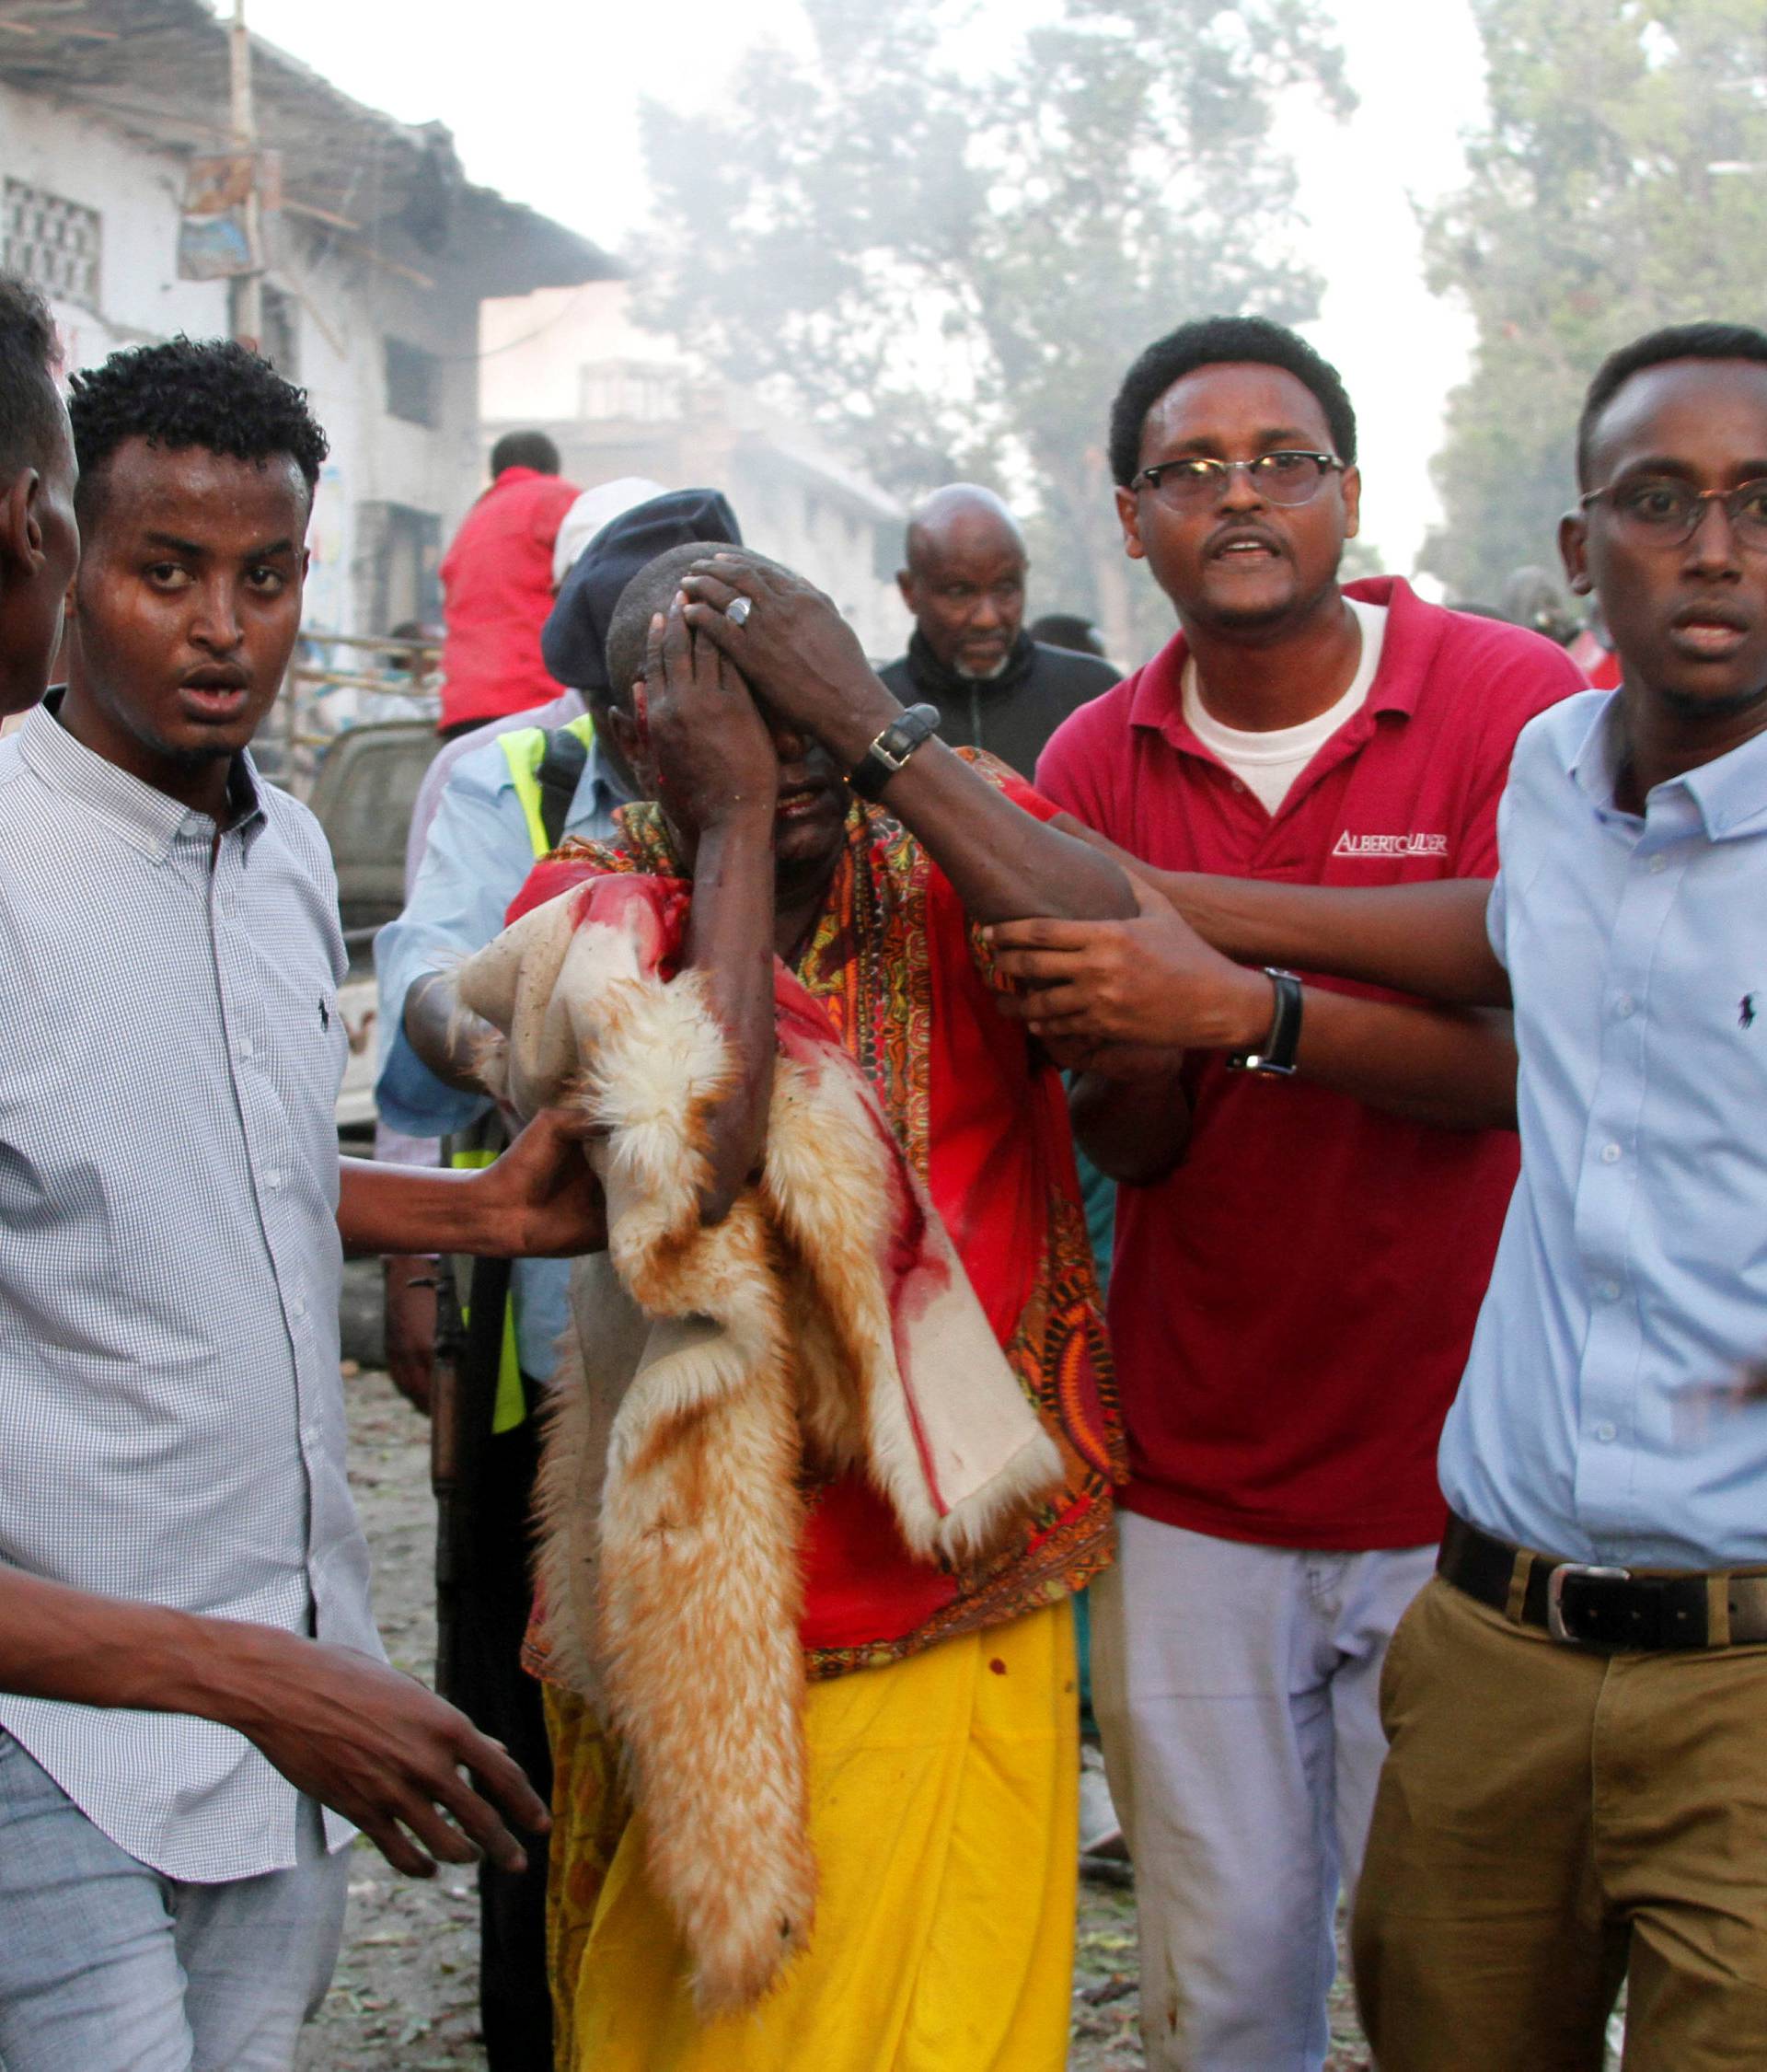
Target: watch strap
[891, 750]
[1275, 1057]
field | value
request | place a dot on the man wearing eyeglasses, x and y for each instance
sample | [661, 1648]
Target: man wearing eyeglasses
[1315, 1175]
[1576, 1705]
[1579, 1710]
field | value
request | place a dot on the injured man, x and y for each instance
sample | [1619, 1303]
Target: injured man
[835, 1435]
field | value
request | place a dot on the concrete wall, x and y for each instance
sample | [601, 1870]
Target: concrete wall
[535, 346]
[349, 303]
[350, 306]
[137, 193]
[797, 499]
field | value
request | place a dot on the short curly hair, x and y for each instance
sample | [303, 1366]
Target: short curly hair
[1214, 341]
[210, 393]
[1676, 342]
[28, 358]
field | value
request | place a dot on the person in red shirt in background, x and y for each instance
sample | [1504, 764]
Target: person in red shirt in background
[1593, 651]
[497, 587]
[1313, 1183]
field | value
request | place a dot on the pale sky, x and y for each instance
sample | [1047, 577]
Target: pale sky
[542, 102]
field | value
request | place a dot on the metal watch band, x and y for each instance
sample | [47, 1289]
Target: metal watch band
[1276, 1058]
[892, 749]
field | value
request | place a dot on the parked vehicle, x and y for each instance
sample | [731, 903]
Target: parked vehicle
[363, 795]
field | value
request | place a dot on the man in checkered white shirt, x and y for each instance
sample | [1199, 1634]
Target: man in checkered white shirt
[189, 1671]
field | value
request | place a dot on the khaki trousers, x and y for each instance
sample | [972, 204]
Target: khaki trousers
[1549, 1822]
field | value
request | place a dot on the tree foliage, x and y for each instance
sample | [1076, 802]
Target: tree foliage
[1621, 184]
[950, 250]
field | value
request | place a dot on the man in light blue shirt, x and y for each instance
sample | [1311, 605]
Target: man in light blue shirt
[1577, 1787]
[1575, 1790]
[477, 856]
[187, 1663]
[1633, 1269]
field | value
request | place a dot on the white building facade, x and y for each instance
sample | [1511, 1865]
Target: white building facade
[620, 400]
[375, 269]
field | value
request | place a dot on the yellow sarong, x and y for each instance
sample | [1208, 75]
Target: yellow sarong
[944, 1813]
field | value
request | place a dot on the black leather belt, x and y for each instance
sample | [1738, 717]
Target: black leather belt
[1600, 1607]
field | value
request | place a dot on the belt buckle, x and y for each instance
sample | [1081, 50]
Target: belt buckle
[1556, 1583]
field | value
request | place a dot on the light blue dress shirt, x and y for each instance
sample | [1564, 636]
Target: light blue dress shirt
[477, 858]
[1599, 1417]
[172, 1419]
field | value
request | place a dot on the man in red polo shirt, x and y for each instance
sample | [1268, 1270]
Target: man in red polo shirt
[1304, 1241]
[497, 587]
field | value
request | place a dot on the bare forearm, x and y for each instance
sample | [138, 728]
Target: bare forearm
[799, 656]
[540, 1200]
[1453, 1067]
[1005, 864]
[410, 1208]
[1423, 938]
[445, 1035]
[341, 1726]
[730, 943]
[59, 1642]
[1174, 979]
[1134, 1130]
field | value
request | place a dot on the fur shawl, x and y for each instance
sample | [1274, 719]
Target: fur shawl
[825, 1320]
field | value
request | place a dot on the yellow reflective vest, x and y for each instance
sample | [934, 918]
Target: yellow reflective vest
[525, 751]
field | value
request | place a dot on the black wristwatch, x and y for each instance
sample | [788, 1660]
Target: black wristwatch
[891, 750]
[1276, 1058]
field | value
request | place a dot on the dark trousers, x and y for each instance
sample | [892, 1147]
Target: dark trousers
[500, 1699]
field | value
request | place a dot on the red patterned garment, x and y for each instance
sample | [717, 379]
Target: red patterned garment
[902, 981]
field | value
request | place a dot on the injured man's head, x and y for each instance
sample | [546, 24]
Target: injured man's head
[813, 800]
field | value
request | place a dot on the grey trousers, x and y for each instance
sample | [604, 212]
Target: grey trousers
[107, 1966]
[1235, 1688]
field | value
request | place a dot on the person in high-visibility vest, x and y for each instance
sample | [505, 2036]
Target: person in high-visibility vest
[503, 805]
[410, 1283]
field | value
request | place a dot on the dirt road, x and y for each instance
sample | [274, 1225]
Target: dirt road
[405, 1997]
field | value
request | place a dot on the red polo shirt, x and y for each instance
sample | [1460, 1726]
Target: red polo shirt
[496, 593]
[1291, 1308]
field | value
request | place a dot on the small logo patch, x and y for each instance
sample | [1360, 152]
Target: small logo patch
[324, 1016]
[1413, 844]
[1746, 1012]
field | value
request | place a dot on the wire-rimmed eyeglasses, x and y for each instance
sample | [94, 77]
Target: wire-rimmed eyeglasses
[1662, 513]
[1197, 482]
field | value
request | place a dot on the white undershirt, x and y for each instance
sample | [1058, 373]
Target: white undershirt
[1267, 764]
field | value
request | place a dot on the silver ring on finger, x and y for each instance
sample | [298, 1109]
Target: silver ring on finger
[738, 610]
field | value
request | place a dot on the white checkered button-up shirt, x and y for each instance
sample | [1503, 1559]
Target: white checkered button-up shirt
[171, 1419]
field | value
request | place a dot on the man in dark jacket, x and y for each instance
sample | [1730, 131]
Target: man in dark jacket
[994, 687]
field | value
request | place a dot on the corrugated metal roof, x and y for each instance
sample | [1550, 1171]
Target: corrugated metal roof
[158, 70]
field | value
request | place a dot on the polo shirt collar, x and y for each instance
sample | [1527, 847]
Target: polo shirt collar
[1728, 793]
[1158, 700]
[145, 818]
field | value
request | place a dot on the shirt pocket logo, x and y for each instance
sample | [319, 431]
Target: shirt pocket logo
[1416, 843]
